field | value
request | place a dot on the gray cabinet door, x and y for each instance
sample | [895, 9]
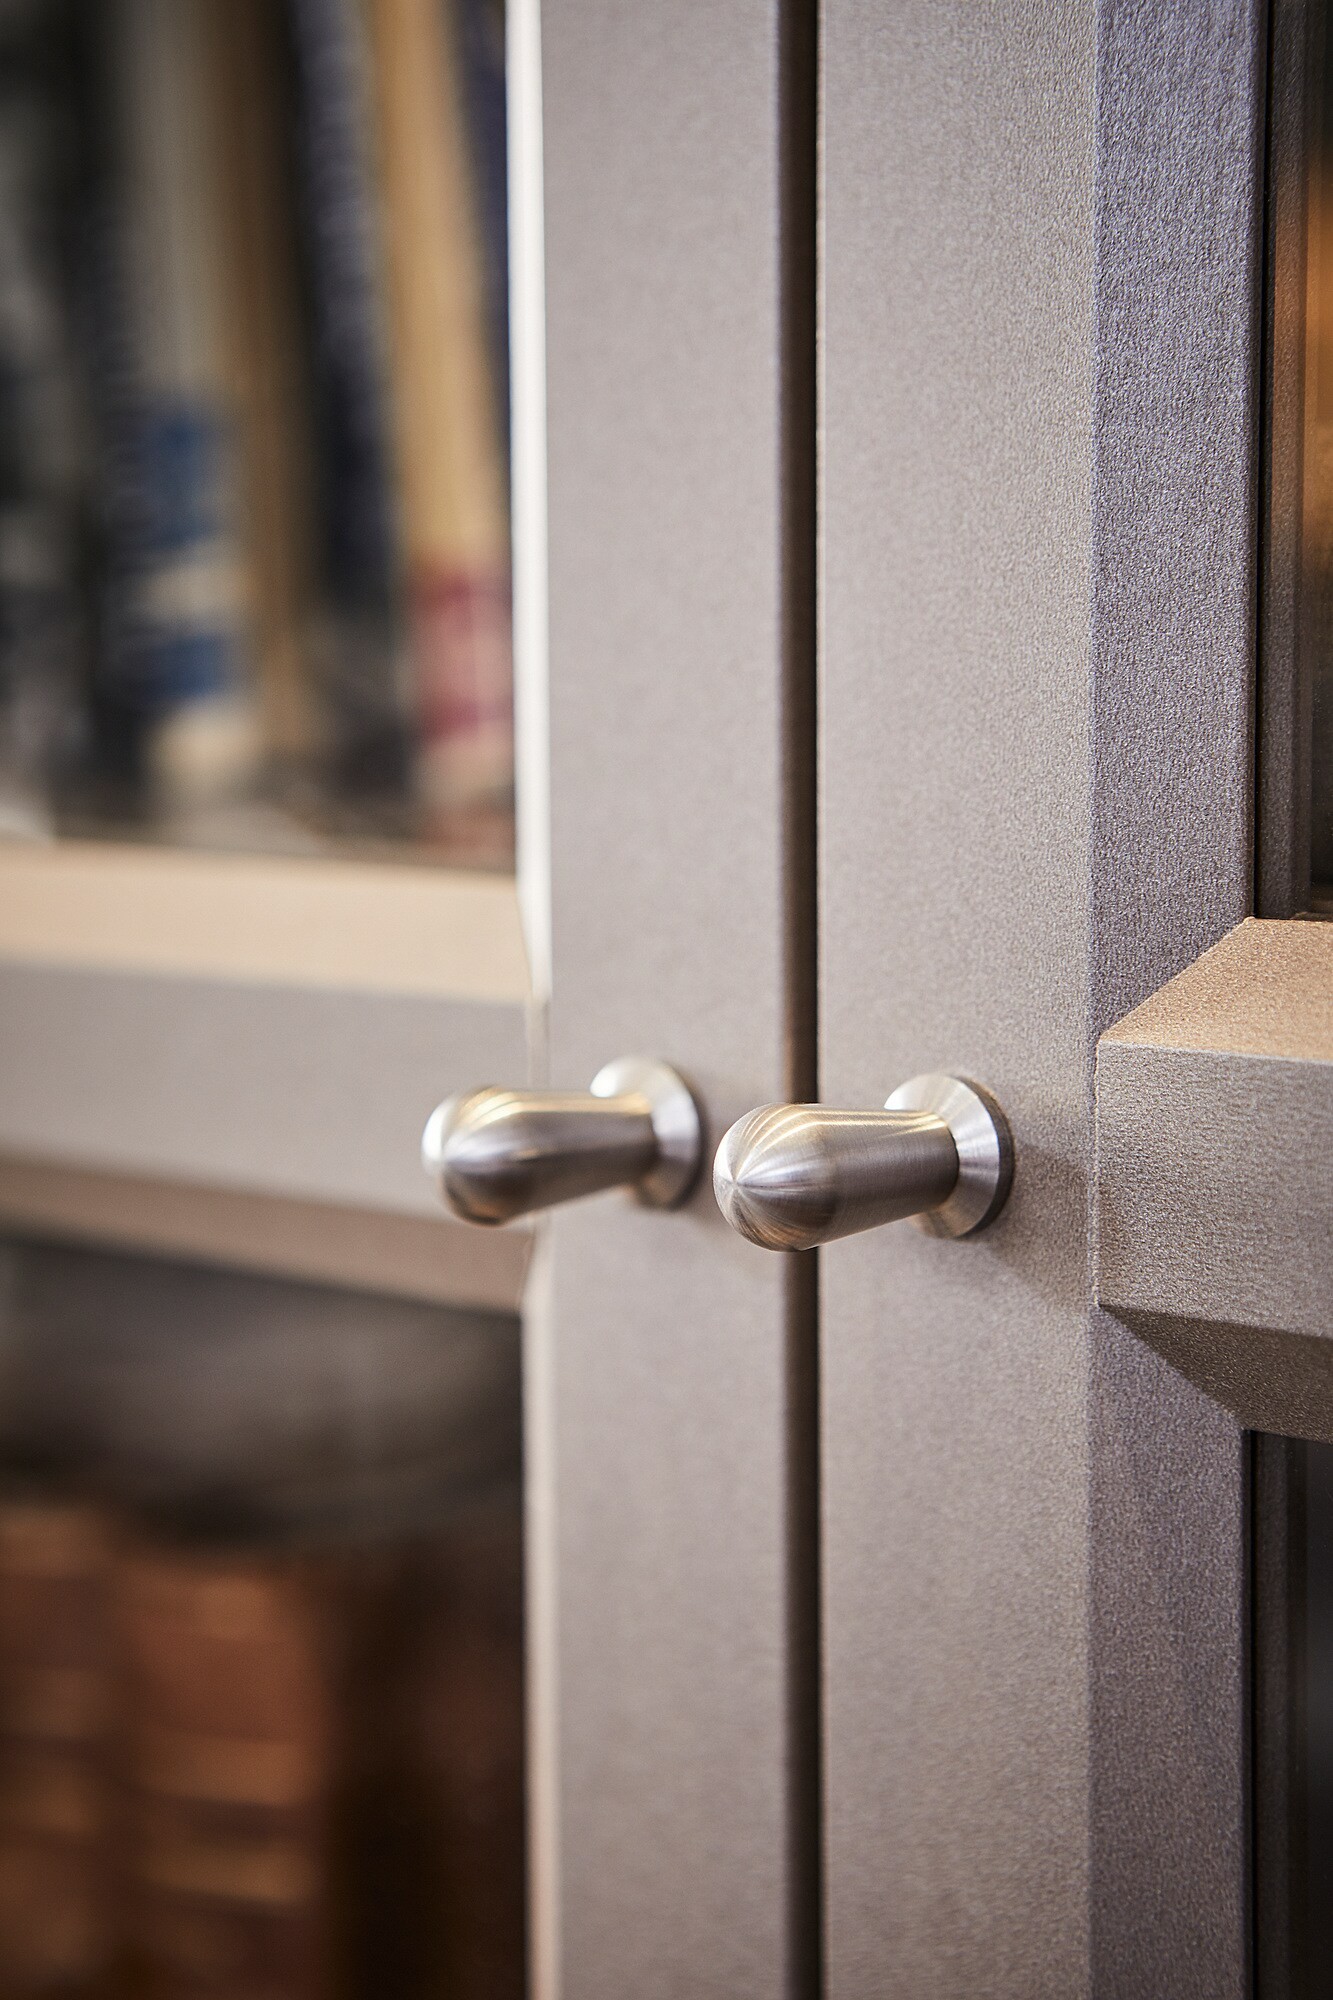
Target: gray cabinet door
[1041, 229]
[670, 1423]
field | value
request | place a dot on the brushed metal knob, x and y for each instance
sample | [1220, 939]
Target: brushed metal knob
[498, 1154]
[790, 1176]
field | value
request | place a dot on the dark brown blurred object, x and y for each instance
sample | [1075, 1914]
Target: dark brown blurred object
[468, 1714]
[431, 1799]
[226, 1728]
[322, 1767]
[282, 1660]
[54, 1794]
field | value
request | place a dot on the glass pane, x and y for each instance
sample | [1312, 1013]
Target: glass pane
[261, 1704]
[254, 555]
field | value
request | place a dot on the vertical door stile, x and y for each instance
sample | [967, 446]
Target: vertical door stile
[1040, 231]
[1175, 524]
[678, 1434]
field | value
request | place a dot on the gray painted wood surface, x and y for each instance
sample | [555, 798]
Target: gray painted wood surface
[1036, 658]
[297, 1091]
[1214, 1137]
[663, 1415]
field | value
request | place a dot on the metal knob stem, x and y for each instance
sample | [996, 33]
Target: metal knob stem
[498, 1154]
[790, 1176]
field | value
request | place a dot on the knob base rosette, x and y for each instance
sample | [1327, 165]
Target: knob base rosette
[983, 1142]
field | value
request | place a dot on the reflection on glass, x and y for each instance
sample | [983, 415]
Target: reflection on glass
[254, 566]
[1317, 455]
[260, 1640]
[1317, 524]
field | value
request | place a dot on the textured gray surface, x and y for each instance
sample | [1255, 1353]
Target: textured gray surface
[1037, 588]
[296, 1091]
[1214, 1186]
[1265, 989]
[667, 1367]
[1172, 668]
[1214, 1137]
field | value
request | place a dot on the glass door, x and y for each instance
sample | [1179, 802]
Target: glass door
[262, 1626]
[318, 318]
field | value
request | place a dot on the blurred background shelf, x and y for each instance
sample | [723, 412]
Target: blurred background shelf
[446, 934]
[232, 1057]
[399, 1256]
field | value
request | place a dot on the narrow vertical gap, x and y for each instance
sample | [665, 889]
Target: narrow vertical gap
[805, 1724]
[798, 128]
[799, 280]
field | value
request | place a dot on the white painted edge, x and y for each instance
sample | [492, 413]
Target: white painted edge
[532, 739]
[359, 926]
[527, 309]
[542, 1539]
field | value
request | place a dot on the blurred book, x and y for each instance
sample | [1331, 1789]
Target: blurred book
[173, 695]
[480, 33]
[55, 1706]
[361, 670]
[224, 1752]
[254, 538]
[247, 65]
[450, 457]
[42, 459]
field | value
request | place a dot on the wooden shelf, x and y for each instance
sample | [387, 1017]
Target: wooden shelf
[233, 1057]
[362, 926]
[404, 1255]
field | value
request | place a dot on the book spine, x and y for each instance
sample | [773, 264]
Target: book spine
[358, 532]
[479, 31]
[175, 655]
[262, 342]
[55, 1917]
[226, 1725]
[41, 460]
[449, 450]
